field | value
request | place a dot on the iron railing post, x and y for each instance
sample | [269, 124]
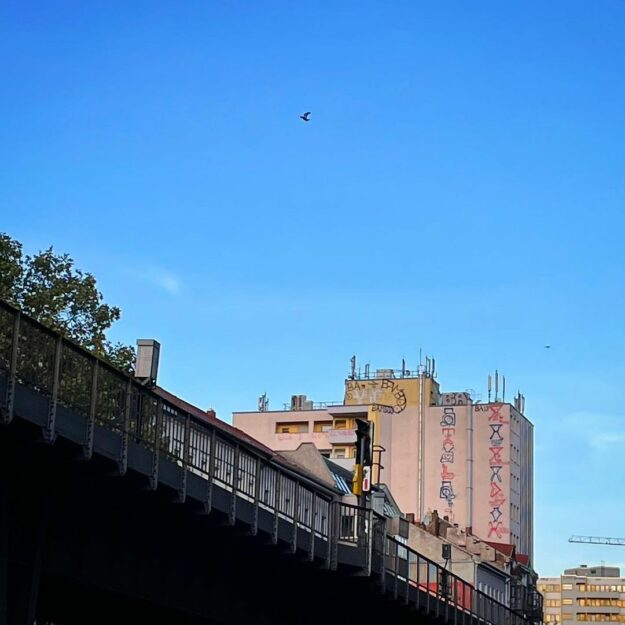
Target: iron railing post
[407, 597]
[445, 593]
[418, 581]
[232, 514]
[93, 406]
[123, 448]
[427, 564]
[7, 413]
[313, 519]
[276, 517]
[156, 449]
[208, 503]
[293, 542]
[335, 514]
[182, 487]
[49, 431]
[395, 554]
[329, 534]
[438, 590]
[259, 469]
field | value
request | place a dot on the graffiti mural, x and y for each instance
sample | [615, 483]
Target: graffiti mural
[496, 461]
[448, 451]
[386, 395]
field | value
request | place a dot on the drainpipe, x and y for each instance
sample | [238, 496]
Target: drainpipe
[421, 425]
[470, 465]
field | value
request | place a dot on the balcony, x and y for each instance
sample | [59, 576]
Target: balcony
[342, 437]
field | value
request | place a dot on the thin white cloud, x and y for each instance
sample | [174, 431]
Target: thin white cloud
[158, 277]
[167, 281]
[606, 430]
[604, 440]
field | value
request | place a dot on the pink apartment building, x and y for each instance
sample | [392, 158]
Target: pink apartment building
[471, 462]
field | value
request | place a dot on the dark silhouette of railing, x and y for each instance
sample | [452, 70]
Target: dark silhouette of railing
[69, 376]
[439, 591]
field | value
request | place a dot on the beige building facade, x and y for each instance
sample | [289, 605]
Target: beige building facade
[471, 462]
[584, 594]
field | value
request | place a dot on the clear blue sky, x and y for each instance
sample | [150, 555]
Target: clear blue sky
[460, 188]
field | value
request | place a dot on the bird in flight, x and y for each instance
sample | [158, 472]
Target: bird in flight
[305, 116]
[547, 346]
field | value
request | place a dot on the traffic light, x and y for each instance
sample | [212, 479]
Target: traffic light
[363, 456]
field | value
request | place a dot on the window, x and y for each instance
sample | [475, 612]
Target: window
[567, 601]
[292, 427]
[601, 603]
[567, 586]
[322, 426]
[567, 616]
[325, 453]
[340, 452]
[340, 424]
[605, 588]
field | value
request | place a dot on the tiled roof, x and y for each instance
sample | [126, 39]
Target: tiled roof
[505, 548]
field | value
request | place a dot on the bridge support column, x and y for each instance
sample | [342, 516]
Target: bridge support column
[24, 578]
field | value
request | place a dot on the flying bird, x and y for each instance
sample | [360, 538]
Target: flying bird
[305, 116]
[547, 346]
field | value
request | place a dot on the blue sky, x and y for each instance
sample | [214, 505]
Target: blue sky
[460, 189]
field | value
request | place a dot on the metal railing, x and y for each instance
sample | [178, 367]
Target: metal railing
[316, 405]
[69, 376]
[441, 592]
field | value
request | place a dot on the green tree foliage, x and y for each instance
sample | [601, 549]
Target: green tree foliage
[49, 288]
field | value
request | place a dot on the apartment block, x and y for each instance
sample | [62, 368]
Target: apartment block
[472, 462]
[595, 593]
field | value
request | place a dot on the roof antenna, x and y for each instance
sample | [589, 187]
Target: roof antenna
[263, 403]
[353, 365]
[490, 386]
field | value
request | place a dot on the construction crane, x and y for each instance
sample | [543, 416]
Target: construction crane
[598, 540]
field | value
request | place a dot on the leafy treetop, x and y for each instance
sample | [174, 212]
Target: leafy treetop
[49, 288]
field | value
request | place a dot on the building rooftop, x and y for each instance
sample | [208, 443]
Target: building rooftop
[583, 570]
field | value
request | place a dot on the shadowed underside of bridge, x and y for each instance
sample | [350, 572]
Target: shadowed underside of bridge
[88, 546]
